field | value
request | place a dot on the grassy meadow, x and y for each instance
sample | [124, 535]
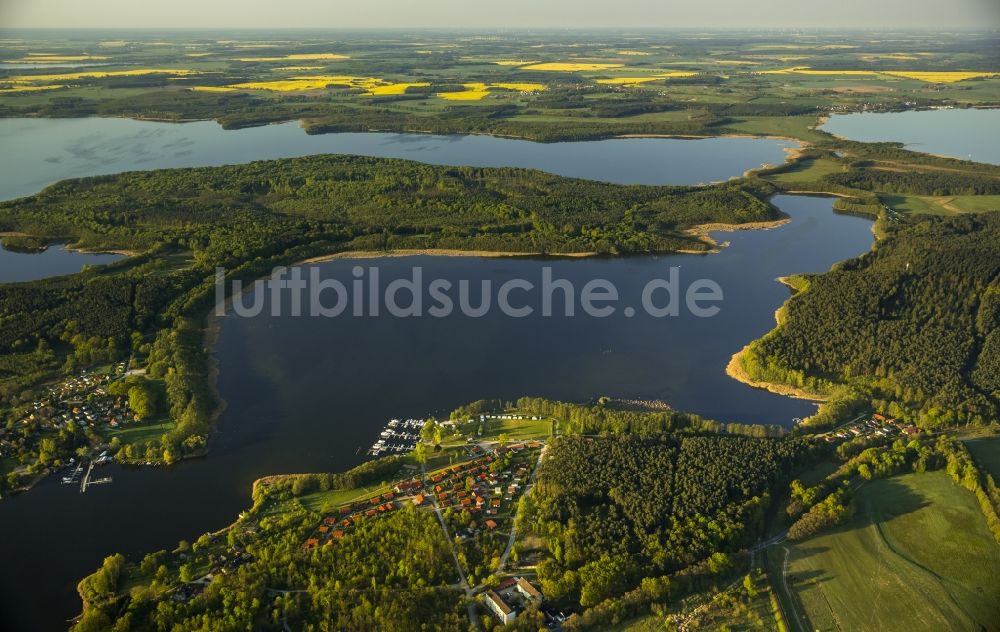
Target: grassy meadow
[916, 556]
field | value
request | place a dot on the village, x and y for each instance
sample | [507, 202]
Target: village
[475, 498]
[873, 425]
[82, 408]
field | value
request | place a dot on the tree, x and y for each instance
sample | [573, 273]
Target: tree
[420, 453]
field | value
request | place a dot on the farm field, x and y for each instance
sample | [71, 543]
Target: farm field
[943, 205]
[548, 87]
[915, 556]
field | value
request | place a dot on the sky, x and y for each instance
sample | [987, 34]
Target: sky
[500, 14]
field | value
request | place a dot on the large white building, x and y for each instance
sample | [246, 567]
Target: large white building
[499, 607]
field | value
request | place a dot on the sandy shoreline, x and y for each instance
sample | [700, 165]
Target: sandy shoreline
[701, 231]
[735, 370]
[439, 252]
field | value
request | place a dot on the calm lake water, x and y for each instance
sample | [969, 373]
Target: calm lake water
[38, 152]
[310, 394]
[970, 134]
[54, 261]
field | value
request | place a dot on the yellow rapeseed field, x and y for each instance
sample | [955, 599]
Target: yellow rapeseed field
[298, 57]
[514, 62]
[928, 76]
[213, 89]
[939, 77]
[300, 68]
[100, 74]
[29, 88]
[520, 87]
[631, 81]
[43, 58]
[628, 81]
[805, 70]
[317, 82]
[395, 88]
[477, 90]
[570, 67]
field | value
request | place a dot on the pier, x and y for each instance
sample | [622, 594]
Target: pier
[87, 482]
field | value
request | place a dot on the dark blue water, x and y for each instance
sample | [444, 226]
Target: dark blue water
[54, 261]
[38, 152]
[309, 394]
[969, 134]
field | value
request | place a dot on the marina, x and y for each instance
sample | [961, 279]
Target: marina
[399, 435]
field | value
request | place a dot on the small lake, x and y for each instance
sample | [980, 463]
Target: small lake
[53, 261]
[38, 152]
[311, 394]
[969, 134]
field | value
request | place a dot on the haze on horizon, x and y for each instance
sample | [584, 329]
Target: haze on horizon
[510, 14]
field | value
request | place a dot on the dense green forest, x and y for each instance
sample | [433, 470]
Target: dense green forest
[228, 214]
[389, 573]
[615, 510]
[250, 218]
[914, 325]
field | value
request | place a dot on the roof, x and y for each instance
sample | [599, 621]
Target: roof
[498, 602]
[491, 524]
[525, 586]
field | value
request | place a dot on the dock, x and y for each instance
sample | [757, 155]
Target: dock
[87, 482]
[399, 435]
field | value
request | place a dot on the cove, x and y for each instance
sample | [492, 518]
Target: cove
[310, 394]
[39, 152]
[969, 134]
[53, 261]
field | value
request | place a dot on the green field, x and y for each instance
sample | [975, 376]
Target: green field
[943, 205]
[794, 126]
[916, 556]
[806, 172]
[141, 433]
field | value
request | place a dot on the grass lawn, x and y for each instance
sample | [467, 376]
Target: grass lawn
[916, 556]
[648, 623]
[976, 203]
[986, 452]
[140, 433]
[519, 430]
[326, 501]
[808, 171]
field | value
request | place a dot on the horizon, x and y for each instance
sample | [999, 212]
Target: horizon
[899, 15]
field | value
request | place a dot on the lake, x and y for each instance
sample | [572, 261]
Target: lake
[969, 134]
[38, 152]
[53, 261]
[311, 394]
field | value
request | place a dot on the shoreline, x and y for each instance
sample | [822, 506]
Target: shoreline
[71, 247]
[735, 370]
[441, 252]
[699, 231]
[702, 231]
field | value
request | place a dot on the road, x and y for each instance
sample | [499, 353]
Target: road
[463, 582]
[513, 528]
